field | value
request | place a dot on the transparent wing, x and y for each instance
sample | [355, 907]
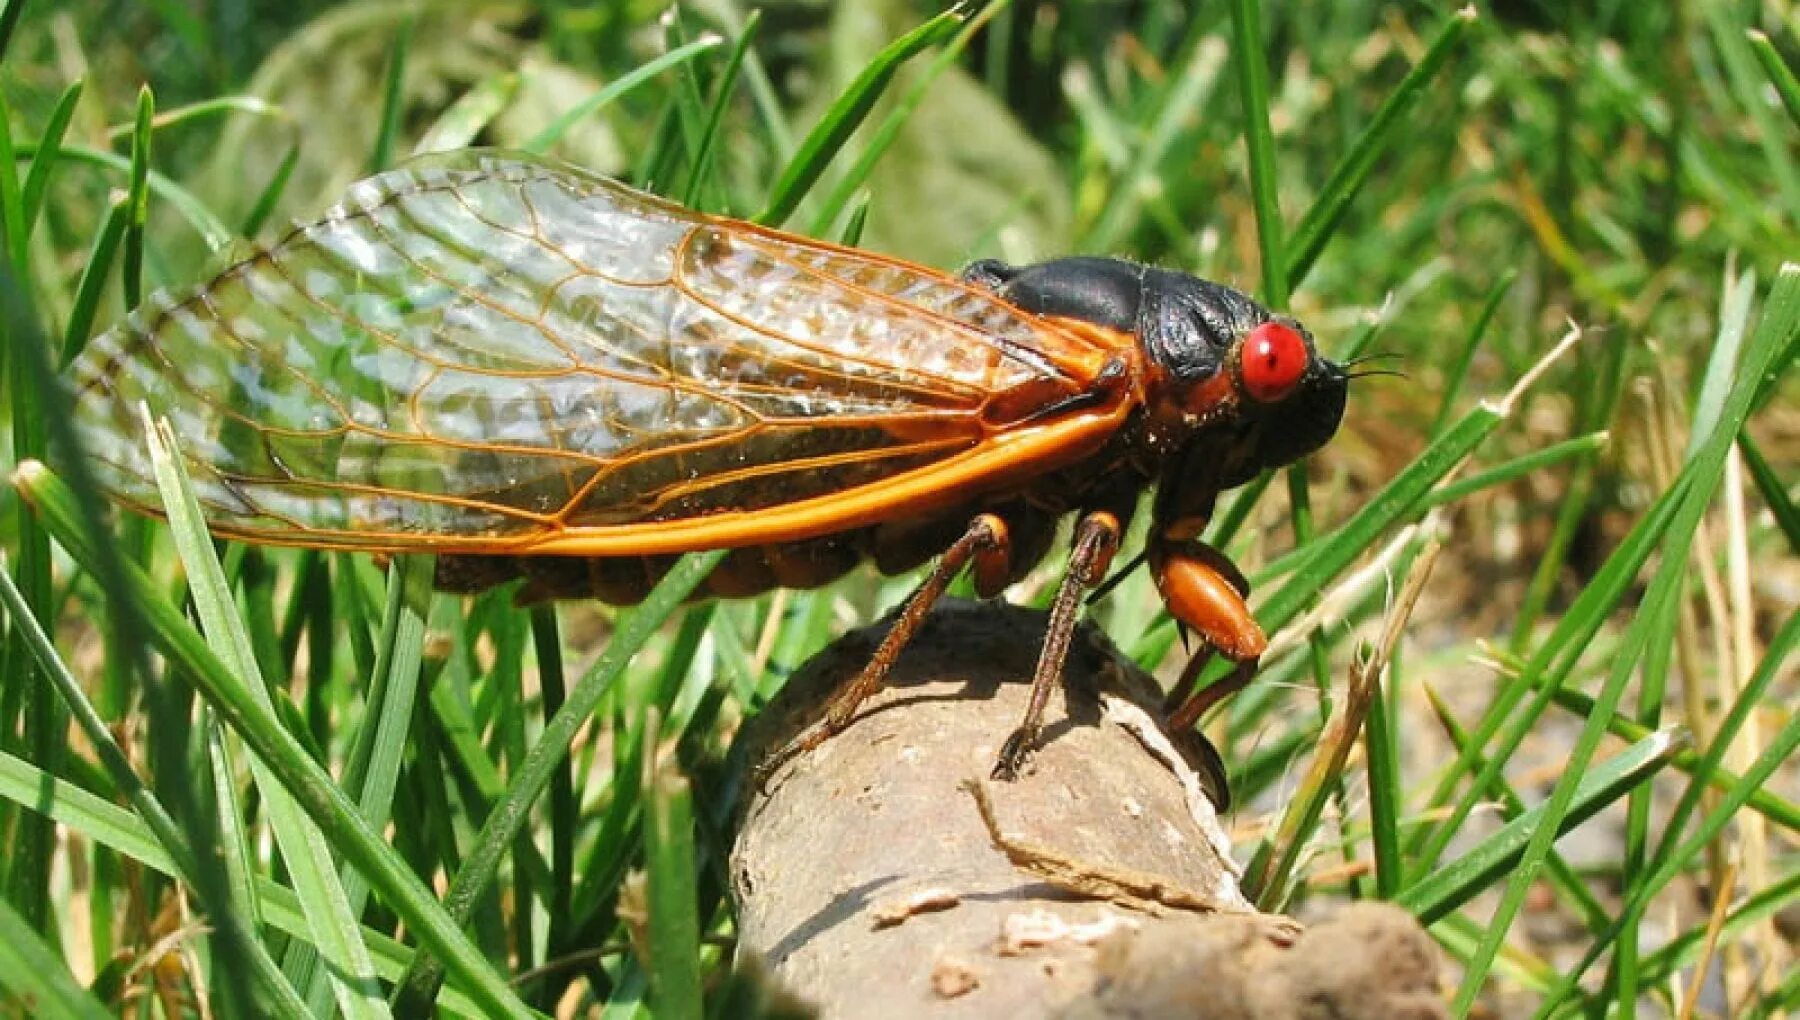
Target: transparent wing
[474, 351]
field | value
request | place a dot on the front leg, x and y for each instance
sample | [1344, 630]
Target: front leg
[1205, 592]
[1097, 538]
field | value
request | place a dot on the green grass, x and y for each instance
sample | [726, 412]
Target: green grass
[380, 798]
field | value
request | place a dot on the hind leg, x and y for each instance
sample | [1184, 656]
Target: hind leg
[987, 545]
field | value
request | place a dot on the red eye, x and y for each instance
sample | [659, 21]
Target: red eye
[1273, 360]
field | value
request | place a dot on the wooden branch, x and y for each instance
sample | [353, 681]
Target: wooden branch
[1099, 884]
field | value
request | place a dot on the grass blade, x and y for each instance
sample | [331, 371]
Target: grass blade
[237, 852]
[36, 978]
[723, 90]
[763, 94]
[855, 220]
[1780, 321]
[93, 816]
[1452, 886]
[137, 190]
[832, 208]
[311, 786]
[1459, 369]
[1721, 364]
[564, 808]
[553, 133]
[393, 97]
[1351, 172]
[1787, 516]
[44, 157]
[508, 818]
[12, 201]
[1780, 75]
[669, 857]
[212, 230]
[93, 281]
[10, 11]
[1518, 467]
[30, 712]
[472, 112]
[221, 106]
[373, 770]
[270, 196]
[1250, 53]
[826, 139]
[332, 921]
[1386, 795]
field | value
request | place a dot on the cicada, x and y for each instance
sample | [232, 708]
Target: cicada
[533, 371]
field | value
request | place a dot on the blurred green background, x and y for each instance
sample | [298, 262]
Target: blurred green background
[1454, 187]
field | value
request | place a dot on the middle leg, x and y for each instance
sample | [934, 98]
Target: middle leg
[1097, 538]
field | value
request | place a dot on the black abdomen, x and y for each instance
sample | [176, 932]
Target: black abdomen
[894, 546]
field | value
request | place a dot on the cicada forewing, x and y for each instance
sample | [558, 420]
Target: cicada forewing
[495, 353]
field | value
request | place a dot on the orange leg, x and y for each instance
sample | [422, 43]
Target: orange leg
[1096, 539]
[1205, 592]
[988, 546]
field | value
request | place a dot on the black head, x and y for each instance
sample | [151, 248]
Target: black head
[1216, 364]
[1226, 368]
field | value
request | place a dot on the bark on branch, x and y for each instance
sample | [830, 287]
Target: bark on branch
[870, 882]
